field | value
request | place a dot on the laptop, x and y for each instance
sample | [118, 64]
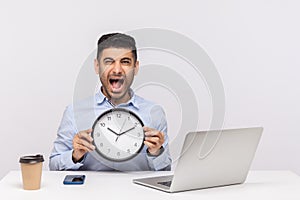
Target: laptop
[210, 159]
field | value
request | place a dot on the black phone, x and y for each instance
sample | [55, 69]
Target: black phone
[74, 179]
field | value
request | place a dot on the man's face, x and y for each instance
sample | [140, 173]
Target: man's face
[116, 68]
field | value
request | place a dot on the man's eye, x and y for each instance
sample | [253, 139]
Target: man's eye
[126, 62]
[108, 62]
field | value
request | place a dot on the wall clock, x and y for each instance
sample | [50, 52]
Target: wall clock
[118, 134]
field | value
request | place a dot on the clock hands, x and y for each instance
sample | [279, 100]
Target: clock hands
[117, 134]
[120, 132]
[127, 130]
[112, 131]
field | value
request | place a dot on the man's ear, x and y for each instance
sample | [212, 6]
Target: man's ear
[96, 66]
[137, 67]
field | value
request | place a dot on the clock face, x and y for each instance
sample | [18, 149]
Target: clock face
[118, 134]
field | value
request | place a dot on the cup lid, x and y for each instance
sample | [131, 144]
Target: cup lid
[32, 159]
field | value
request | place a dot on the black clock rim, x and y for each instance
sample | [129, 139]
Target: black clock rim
[113, 110]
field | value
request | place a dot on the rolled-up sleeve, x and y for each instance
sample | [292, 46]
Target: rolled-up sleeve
[61, 155]
[159, 122]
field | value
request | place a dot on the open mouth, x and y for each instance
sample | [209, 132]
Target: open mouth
[116, 83]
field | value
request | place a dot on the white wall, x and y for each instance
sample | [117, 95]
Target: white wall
[254, 45]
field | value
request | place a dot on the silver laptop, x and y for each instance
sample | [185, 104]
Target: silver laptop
[210, 159]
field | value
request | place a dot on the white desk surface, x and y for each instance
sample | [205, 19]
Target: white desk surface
[273, 185]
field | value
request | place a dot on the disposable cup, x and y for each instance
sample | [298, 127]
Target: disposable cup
[31, 167]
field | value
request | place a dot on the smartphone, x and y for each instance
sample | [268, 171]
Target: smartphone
[74, 179]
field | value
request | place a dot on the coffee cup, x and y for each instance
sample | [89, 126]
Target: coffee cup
[31, 167]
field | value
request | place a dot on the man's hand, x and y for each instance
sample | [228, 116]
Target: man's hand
[154, 140]
[82, 143]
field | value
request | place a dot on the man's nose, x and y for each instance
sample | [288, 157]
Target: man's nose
[117, 68]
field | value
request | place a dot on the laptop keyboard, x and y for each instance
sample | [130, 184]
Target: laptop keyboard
[165, 183]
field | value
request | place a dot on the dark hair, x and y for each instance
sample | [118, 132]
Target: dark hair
[116, 40]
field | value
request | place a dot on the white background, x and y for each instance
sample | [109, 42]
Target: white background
[254, 44]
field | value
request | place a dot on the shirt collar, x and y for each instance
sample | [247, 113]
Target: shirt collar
[100, 98]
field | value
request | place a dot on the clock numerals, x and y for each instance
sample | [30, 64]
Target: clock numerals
[101, 144]
[139, 134]
[119, 115]
[109, 118]
[128, 151]
[135, 144]
[98, 134]
[102, 124]
[108, 150]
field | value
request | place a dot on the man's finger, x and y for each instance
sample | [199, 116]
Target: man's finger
[149, 144]
[86, 144]
[152, 133]
[89, 130]
[146, 129]
[80, 147]
[154, 140]
[158, 134]
[85, 135]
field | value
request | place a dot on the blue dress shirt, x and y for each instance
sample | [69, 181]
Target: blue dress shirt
[81, 116]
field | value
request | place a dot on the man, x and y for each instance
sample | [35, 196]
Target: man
[116, 64]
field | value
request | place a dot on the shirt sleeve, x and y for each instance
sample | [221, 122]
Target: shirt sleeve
[163, 161]
[61, 155]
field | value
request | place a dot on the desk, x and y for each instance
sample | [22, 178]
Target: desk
[281, 185]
